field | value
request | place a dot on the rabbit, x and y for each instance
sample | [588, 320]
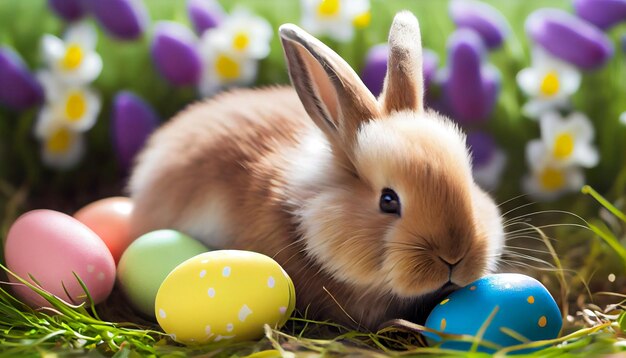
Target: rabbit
[369, 205]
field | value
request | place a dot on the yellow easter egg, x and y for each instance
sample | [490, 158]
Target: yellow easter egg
[225, 294]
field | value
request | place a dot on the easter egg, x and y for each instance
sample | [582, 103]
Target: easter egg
[514, 303]
[225, 294]
[51, 246]
[110, 219]
[148, 260]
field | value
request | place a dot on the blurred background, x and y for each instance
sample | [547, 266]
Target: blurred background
[538, 85]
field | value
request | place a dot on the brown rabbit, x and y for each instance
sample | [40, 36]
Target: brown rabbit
[369, 205]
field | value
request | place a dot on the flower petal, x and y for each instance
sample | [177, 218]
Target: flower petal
[82, 34]
[53, 49]
[19, 89]
[470, 88]
[570, 81]
[586, 155]
[205, 14]
[602, 13]
[482, 147]
[536, 154]
[123, 19]
[175, 53]
[68, 10]
[569, 38]
[45, 120]
[581, 126]
[528, 81]
[68, 159]
[375, 69]
[51, 85]
[550, 124]
[488, 176]
[488, 22]
[133, 120]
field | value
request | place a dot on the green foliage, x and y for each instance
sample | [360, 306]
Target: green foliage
[77, 330]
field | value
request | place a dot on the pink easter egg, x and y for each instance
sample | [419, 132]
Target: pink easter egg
[50, 246]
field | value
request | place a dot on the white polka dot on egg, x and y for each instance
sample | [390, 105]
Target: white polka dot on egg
[226, 271]
[244, 312]
[271, 282]
[229, 327]
[202, 273]
[162, 313]
[101, 276]
[207, 329]
[91, 268]
[211, 292]
[282, 309]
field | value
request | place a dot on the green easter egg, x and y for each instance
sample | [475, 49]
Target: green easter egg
[148, 260]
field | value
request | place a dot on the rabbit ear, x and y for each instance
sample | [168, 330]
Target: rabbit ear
[404, 84]
[332, 93]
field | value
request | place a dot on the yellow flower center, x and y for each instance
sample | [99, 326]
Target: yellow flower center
[59, 142]
[363, 20]
[328, 8]
[75, 106]
[550, 84]
[73, 57]
[551, 179]
[241, 41]
[227, 68]
[563, 146]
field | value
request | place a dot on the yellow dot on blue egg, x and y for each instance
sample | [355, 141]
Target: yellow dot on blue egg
[543, 321]
[473, 288]
[530, 299]
[442, 326]
[444, 301]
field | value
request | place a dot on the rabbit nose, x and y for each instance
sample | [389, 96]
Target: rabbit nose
[450, 264]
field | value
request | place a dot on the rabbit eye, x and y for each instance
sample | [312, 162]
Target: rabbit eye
[389, 202]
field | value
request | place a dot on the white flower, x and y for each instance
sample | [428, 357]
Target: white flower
[223, 67]
[243, 34]
[335, 18]
[61, 147]
[549, 82]
[73, 59]
[489, 174]
[548, 183]
[223, 70]
[564, 141]
[72, 105]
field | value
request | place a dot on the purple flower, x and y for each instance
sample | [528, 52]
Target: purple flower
[69, 10]
[470, 87]
[123, 19]
[375, 69]
[488, 22]
[569, 38]
[488, 161]
[602, 13]
[18, 88]
[204, 14]
[482, 146]
[133, 121]
[175, 53]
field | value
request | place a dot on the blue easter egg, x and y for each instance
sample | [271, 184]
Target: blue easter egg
[518, 303]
